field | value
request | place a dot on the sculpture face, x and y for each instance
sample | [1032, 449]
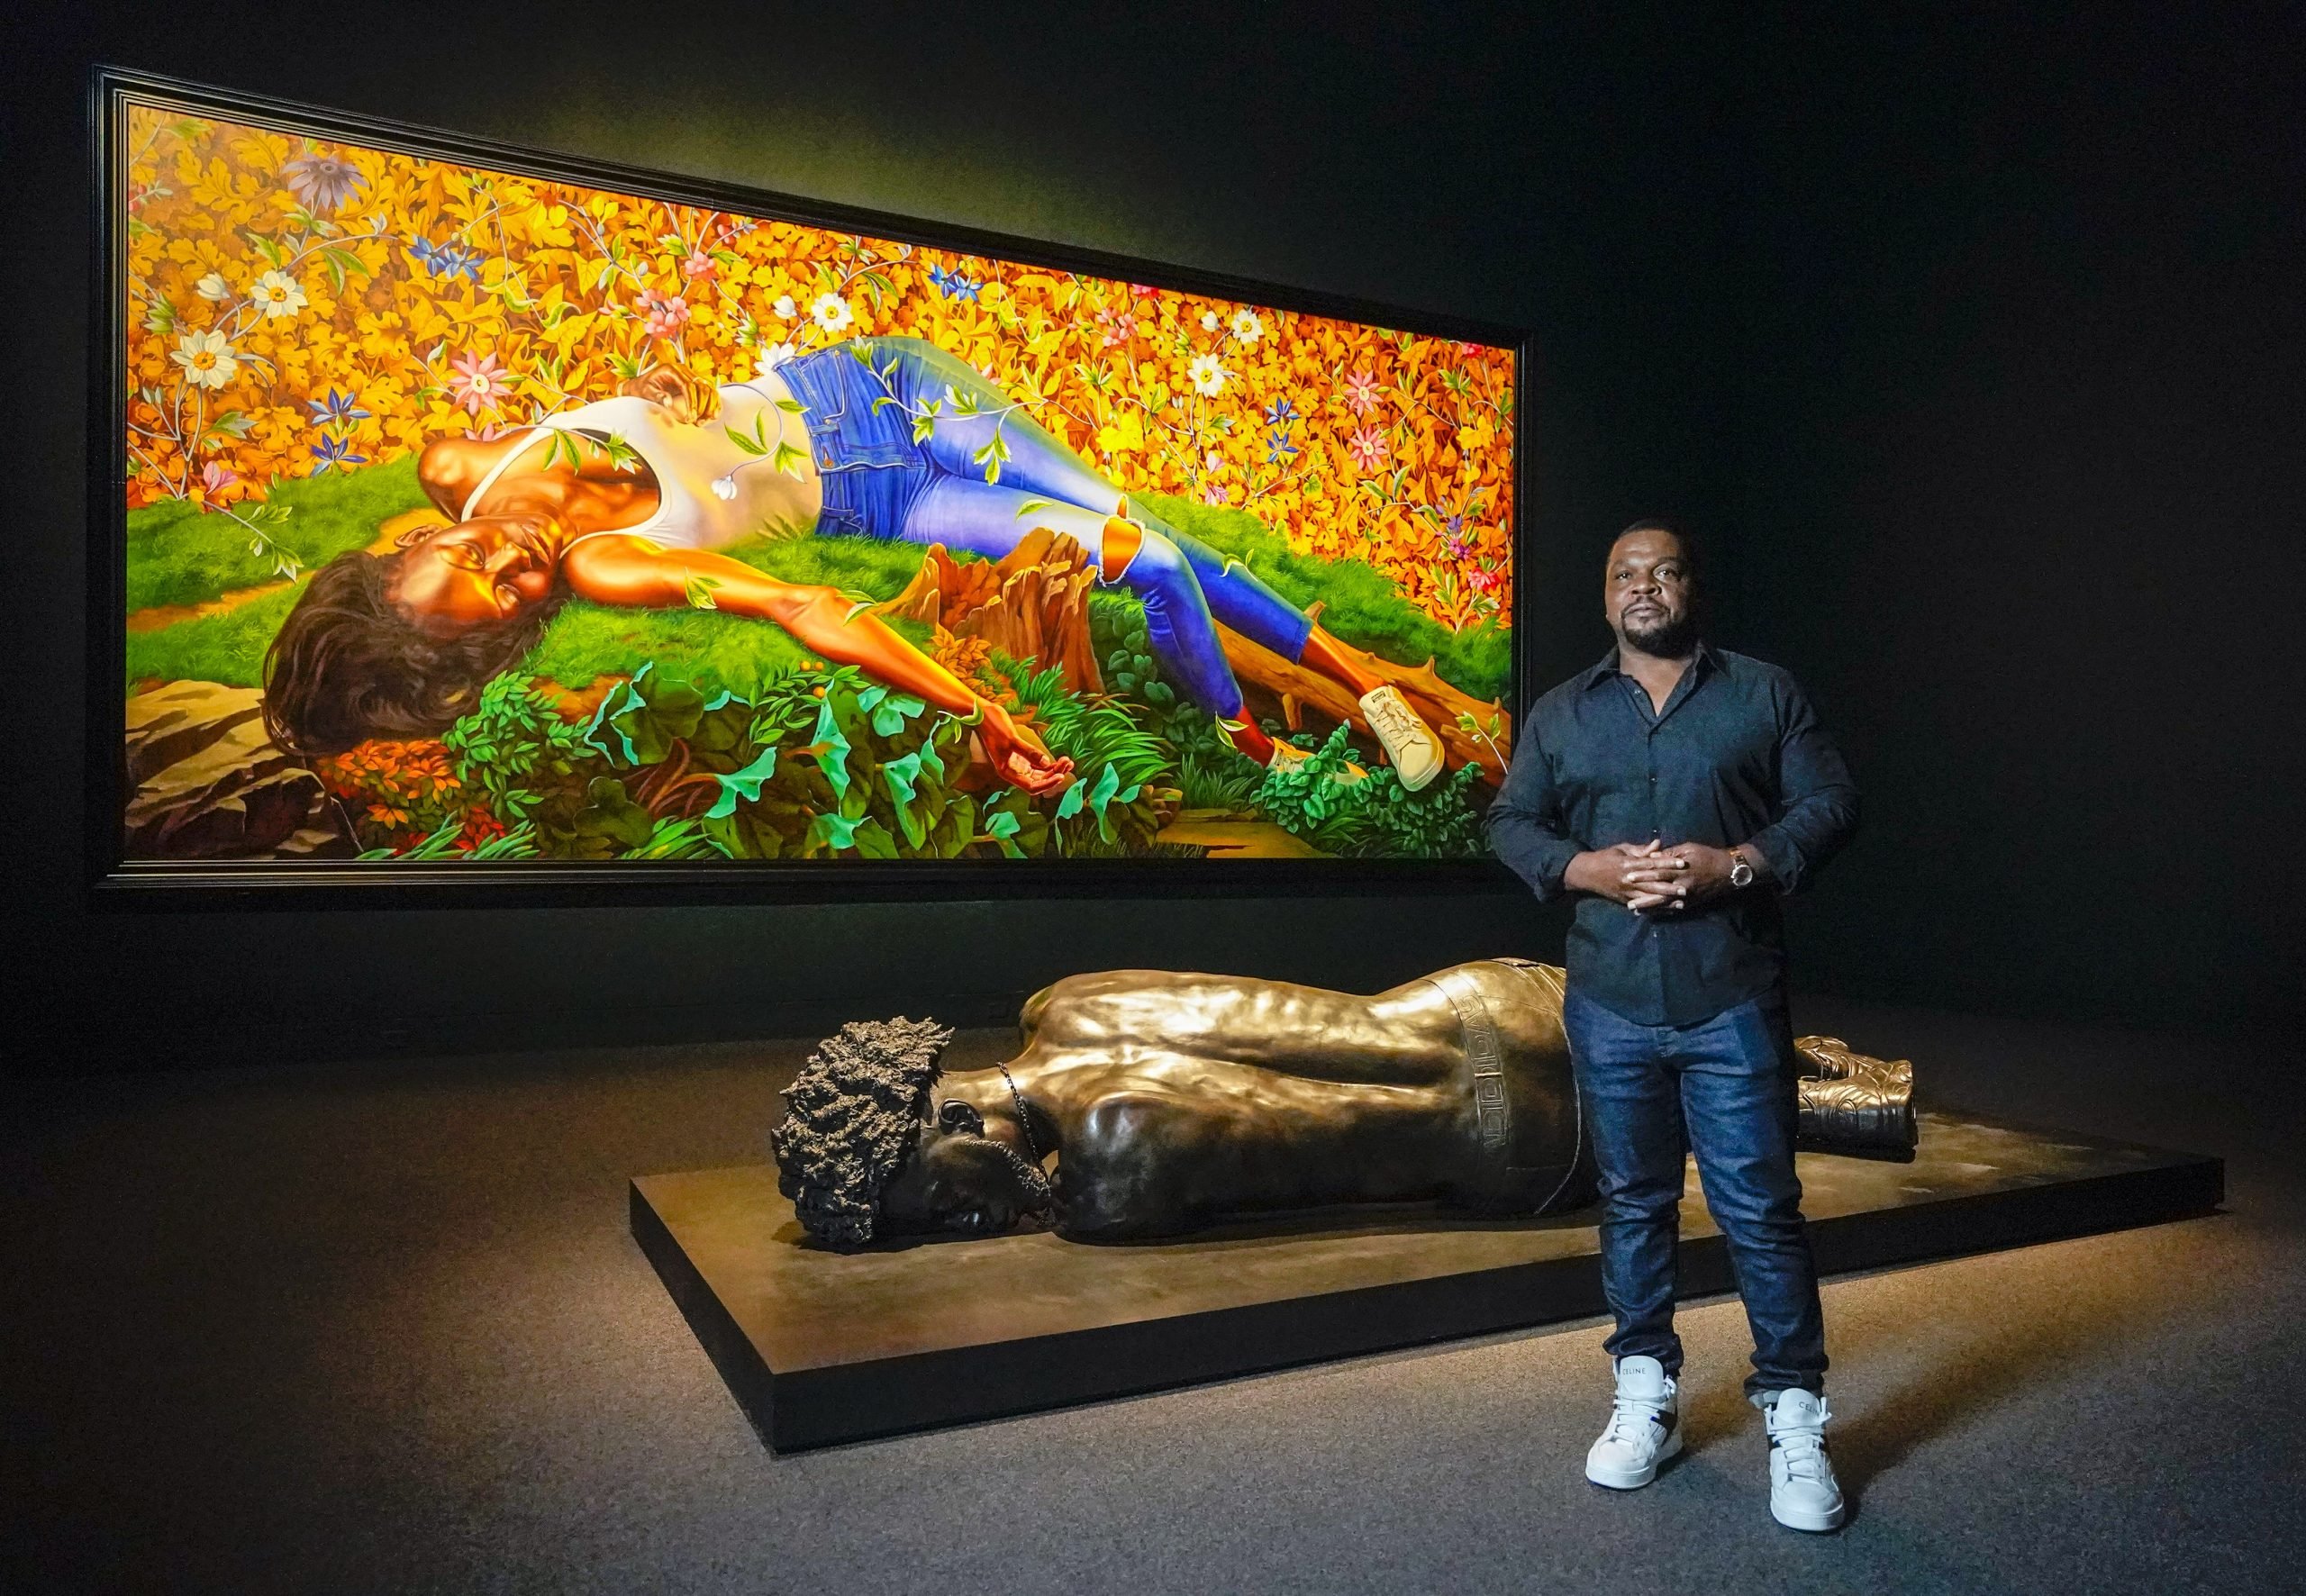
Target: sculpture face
[956, 1179]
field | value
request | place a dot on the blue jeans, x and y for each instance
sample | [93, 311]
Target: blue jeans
[1724, 1088]
[880, 483]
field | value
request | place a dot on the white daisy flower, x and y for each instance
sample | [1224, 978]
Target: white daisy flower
[831, 311]
[1207, 375]
[1247, 326]
[277, 295]
[208, 359]
[771, 357]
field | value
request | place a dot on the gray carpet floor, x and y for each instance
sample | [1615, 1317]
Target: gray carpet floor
[380, 1328]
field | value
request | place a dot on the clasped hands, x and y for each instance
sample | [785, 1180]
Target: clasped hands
[1649, 876]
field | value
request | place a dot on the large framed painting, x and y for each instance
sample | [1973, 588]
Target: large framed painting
[470, 515]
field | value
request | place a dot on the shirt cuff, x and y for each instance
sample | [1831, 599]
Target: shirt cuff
[1786, 865]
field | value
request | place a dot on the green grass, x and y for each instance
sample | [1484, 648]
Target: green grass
[587, 640]
[178, 554]
[228, 647]
[1359, 603]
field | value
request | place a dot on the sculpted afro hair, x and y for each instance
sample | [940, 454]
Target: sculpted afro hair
[850, 1120]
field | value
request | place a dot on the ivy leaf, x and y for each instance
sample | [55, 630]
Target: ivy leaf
[892, 713]
[903, 778]
[745, 785]
[832, 750]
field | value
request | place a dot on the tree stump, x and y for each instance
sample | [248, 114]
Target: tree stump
[1032, 604]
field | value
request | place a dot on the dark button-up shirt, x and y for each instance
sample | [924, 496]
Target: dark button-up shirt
[1736, 756]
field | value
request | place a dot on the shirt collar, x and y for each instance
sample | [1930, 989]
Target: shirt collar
[1701, 659]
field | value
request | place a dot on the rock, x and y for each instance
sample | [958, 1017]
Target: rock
[207, 781]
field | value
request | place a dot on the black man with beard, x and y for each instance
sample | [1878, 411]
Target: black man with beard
[1676, 791]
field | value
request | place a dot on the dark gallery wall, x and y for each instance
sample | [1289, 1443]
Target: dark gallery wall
[1973, 349]
[2021, 485]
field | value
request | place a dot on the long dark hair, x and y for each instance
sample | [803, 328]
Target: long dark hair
[347, 665]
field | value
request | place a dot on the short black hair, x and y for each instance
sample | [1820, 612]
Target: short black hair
[1691, 557]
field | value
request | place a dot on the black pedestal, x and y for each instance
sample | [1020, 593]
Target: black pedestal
[821, 1347]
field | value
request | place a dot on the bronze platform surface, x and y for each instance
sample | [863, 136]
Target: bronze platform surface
[820, 1348]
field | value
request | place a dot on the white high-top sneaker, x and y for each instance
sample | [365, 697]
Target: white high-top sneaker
[1644, 1429]
[1804, 1493]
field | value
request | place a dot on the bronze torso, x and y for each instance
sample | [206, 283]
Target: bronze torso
[1175, 1099]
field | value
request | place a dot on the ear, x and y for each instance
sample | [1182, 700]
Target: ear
[954, 1115]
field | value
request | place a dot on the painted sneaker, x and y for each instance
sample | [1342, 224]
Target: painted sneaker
[1804, 1493]
[1288, 756]
[1409, 742]
[1644, 1430]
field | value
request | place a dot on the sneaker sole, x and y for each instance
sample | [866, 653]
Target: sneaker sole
[1634, 1479]
[1808, 1523]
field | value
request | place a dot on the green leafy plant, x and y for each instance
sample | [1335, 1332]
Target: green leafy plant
[1322, 802]
[515, 748]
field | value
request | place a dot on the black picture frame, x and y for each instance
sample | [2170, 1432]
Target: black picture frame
[116, 880]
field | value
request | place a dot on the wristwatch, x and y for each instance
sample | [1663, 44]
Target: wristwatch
[1741, 870]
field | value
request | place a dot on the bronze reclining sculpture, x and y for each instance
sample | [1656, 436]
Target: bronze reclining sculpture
[1172, 1100]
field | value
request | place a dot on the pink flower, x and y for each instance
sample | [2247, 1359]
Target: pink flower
[1361, 395]
[216, 476]
[480, 383]
[699, 265]
[1484, 578]
[667, 313]
[1118, 329]
[1368, 447]
[1213, 494]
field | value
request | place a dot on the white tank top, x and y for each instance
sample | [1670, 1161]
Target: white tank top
[688, 460]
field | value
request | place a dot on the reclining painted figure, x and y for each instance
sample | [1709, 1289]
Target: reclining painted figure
[1171, 1100]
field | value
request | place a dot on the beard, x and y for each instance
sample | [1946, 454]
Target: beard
[1666, 637]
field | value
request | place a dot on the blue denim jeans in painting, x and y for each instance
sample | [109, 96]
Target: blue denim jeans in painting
[1723, 1088]
[879, 482]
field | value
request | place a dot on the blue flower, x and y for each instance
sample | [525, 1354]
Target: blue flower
[1280, 414]
[445, 260]
[335, 451]
[337, 409]
[1278, 449]
[953, 285]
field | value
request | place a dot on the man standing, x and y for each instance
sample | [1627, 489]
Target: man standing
[1676, 790]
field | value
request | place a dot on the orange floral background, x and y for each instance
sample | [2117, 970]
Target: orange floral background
[301, 306]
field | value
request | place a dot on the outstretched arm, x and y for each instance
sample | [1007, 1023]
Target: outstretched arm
[636, 573]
